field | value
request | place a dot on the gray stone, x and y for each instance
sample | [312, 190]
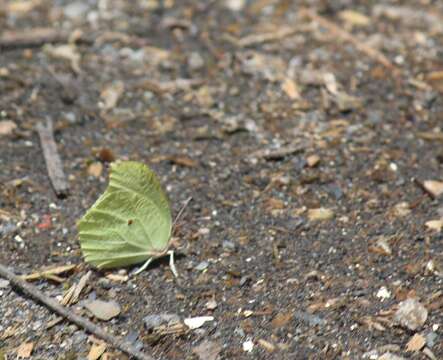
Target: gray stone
[153, 321]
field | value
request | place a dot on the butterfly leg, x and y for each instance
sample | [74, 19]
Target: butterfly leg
[143, 267]
[171, 263]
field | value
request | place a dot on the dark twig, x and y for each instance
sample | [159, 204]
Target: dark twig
[52, 159]
[85, 324]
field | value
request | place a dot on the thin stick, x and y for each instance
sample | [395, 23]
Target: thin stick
[346, 36]
[85, 324]
[52, 158]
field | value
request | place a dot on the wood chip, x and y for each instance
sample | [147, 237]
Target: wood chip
[416, 343]
[313, 160]
[433, 187]
[7, 127]
[73, 294]
[320, 214]
[25, 350]
[290, 88]
[96, 351]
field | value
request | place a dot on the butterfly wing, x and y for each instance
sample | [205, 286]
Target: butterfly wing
[130, 223]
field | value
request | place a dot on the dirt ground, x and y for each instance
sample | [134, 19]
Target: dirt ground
[306, 132]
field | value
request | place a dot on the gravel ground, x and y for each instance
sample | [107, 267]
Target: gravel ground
[308, 134]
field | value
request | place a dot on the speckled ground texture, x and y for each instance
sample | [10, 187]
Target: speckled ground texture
[172, 84]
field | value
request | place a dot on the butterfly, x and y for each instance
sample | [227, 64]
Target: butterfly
[130, 222]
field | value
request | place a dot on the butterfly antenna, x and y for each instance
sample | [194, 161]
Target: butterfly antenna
[182, 210]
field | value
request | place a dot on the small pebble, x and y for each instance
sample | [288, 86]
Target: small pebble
[411, 314]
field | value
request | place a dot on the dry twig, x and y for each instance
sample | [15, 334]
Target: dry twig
[346, 36]
[52, 159]
[35, 38]
[85, 324]
[256, 39]
[279, 153]
[48, 272]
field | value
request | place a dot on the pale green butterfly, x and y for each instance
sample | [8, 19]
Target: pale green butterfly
[130, 222]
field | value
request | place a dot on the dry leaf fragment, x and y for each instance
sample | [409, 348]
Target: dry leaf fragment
[354, 18]
[402, 209]
[313, 160]
[435, 188]
[95, 169]
[435, 79]
[207, 350]
[416, 343]
[381, 246]
[434, 224]
[96, 351]
[25, 350]
[268, 346]
[320, 214]
[183, 160]
[117, 277]
[111, 94]
[281, 319]
[65, 52]
[7, 127]
[290, 88]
